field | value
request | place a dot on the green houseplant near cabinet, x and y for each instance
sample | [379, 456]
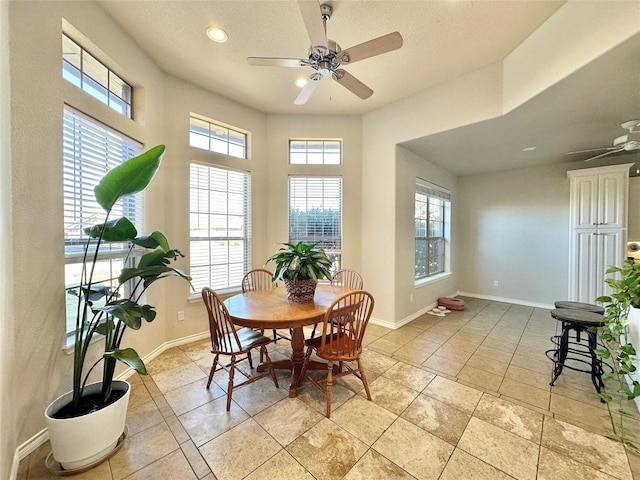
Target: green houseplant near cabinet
[622, 326]
[119, 312]
[300, 266]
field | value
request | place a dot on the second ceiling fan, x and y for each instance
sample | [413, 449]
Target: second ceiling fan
[326, 57]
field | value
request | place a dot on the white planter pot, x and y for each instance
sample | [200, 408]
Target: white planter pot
[86, 440]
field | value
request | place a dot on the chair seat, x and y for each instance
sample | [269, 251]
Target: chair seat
[346, 344]
[249, 338]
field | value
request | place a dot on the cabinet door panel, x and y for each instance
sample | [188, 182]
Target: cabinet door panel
[584, 202]
[612, 194]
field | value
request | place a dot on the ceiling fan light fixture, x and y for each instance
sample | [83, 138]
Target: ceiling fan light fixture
[301, 82]
[324, 67]
[217, 34]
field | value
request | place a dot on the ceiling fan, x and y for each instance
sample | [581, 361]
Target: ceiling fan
[625, 143]
[325, 55]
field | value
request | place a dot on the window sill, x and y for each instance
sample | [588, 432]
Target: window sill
[433, 279]
[223, 292]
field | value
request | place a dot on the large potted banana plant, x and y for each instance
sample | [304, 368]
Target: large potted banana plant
[87, 424]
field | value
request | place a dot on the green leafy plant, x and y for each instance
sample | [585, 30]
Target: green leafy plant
[616, 348]
[118, 312]
[300, 261]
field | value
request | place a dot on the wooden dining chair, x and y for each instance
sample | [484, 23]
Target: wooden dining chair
[345, 277]
[343, 329]
[226, 340]
[261, 279]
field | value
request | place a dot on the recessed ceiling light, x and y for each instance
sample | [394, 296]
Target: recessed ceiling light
[529, 149]
[301, 82]
[217, 34]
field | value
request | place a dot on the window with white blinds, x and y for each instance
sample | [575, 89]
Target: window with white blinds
[216, 137]
[432, 229]
[315, 152]
[90, 149]
[220, 226]
[315, 213]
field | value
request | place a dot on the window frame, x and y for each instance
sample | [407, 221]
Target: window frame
[322, 154]
[79, 74]
[234, 277]
[434, 195]
[210, 124]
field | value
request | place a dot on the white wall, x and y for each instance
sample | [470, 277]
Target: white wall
[8, 398]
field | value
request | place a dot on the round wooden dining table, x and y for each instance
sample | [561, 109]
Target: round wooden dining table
[269, 309]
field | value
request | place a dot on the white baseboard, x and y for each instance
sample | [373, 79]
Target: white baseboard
[40, 438]
[514, 301]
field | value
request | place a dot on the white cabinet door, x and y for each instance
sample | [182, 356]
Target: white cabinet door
[612, 199]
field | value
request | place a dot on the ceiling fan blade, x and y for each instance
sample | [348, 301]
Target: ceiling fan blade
[277, 62]
[383, 44]
[351, 83]
[312, 16]
[308, 89]
[605, 154]
[593, 150]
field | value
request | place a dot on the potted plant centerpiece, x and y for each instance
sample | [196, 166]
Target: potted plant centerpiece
[621, 330]
[86, 424]
[300, 266]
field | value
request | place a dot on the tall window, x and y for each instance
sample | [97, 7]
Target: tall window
[88, 73]
[217, 138]
[315, 152]
[220, 226]
[90, 149]
[315, 213]
[432, 230]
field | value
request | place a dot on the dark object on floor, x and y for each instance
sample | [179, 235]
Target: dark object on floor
[451, 303]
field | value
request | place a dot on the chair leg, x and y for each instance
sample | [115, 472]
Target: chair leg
[213, 370]
[263, 351]
[250, 360]
[363, 377]
[230, 385]
[329, 386]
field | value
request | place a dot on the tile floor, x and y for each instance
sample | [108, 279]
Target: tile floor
[463, 397]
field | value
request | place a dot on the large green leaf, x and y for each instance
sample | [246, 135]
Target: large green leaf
[125, 310]
[129, 357]
[128, 178]
[153, 240]
[117, 230]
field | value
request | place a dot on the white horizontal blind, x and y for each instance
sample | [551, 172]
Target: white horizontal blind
[315, 152]
[315, 213]
[220, 225]
[90, 149]
[217, 138]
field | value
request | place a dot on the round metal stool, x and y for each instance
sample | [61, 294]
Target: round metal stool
[572, 352]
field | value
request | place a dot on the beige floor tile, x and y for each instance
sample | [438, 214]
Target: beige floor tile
[594, 416]
[459, 342]
[365, 420]
[444, 365]
[372, 465]
[413, 449]
[211, 420]
[463, 466]
[529, 377]
[327, 444]
[375, 362]
[503, 450]
[170, 359]
[553, 466]
[487, 364]
[177, 377]
[525, 393]
[257, 396]
[460, 396]
[487, 381]
[317, 399]
[500, 354]
[193, 395]
[434, 336]
[244, 456]
[441, 419]
[143, 416]
[288, 419]
[452, 352]
[513, 418]
[174, 466]
[177, 429]
[141, 450]
[585, 447]
[281, 466]
[470, 337]
[382, 345]
[139, 394]
[34, 468]
[197, 350]
[411, 377]
[196, 462]
[391, 395]
[539, 366]
[377, 330]
[412, 355]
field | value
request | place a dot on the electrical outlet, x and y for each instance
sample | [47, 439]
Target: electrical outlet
[180, 315]
[495, 283]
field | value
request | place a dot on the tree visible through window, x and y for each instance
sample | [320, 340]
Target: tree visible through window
[432, 220]
[315, 213]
